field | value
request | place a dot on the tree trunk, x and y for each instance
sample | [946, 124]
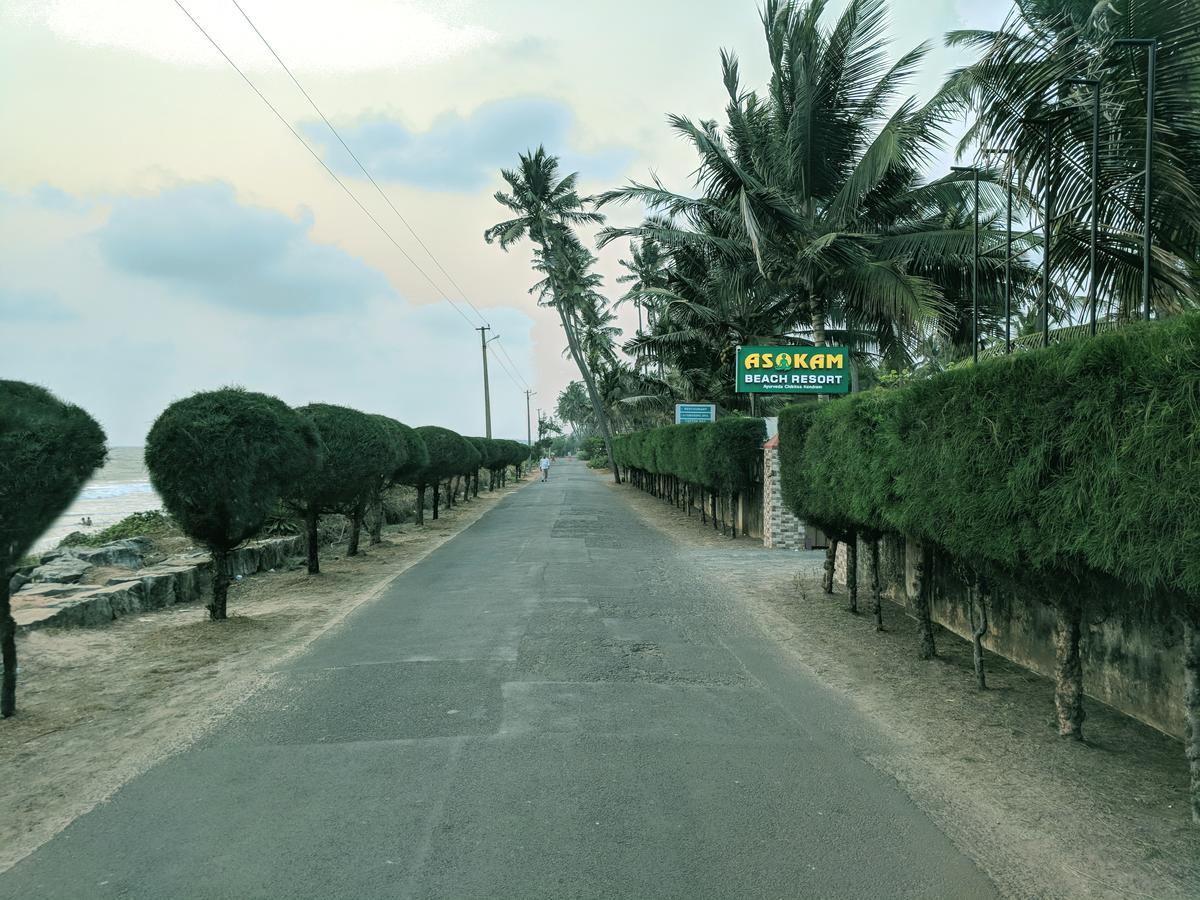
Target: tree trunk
[310, 522]
[979, 627]
[421, 504]
[876, 591]
[8, 648]
[925, 581]
[437, 491]
[852, 572]
[377, 518]
[356, 517]
[1068, 671]
[220, 585]
[1191, 705]
[830, 563]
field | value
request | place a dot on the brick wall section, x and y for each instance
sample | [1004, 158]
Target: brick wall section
[781, 529]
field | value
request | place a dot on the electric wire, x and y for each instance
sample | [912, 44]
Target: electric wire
[322, 162]
[383, 194]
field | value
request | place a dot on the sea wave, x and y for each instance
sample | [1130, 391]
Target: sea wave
[121, 489]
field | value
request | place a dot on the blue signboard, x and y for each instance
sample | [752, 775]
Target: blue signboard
[695, 412]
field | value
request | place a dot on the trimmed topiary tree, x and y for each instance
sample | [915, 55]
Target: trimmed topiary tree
[415, 458]
[450, 454]
[47, 451]
[357, 449]
[221, 460]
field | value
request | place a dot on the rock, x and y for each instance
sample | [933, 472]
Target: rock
[64, 570]
[49, 590]
[17, 582]
[128, 554]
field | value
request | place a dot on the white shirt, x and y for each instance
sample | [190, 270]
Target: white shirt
[545, 463]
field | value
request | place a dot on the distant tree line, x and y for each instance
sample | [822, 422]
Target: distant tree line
[223, 462]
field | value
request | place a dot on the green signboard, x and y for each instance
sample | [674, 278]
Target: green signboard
[793, 370]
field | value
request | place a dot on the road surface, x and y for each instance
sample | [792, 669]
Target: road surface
[550, 705]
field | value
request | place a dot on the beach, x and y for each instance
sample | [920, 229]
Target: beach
[120, 487]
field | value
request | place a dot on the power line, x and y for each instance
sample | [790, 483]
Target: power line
[387, 199]
[354, 156]
[317, 157]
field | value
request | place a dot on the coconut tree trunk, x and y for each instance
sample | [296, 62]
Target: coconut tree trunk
[852, 572]
[1068, 670]
[876, 591]
[925, 588]
[377, 518]
[310, 523]
[830, 563]
[979, 627]
[8, 648]
[437, 491]
[421, 504]
[220, 585]
[1191, 705]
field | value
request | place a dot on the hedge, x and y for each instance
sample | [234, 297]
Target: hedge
[723, 456]
[1071, 468]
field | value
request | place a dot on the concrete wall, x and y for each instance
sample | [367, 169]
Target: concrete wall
[1130, 663]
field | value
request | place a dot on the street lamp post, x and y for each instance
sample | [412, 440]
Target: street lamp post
[1151, 45]
[1094, 84]
[974, 170]
[1008, 236]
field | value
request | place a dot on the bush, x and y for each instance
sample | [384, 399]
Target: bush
[140, 524]
[48, 449]
[723, 456]
[360, 450]
[221, 460]
[450, 454]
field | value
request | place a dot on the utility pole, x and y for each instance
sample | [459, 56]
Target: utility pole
[528, 421]
[484, 340]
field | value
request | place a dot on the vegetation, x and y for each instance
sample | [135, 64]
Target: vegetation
[450, 455]
[139, 524]
[718, 461]
[47, 451]
[1060, 468]
[358, 453]
[221, 460]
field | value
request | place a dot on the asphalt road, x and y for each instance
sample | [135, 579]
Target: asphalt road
[550, 705]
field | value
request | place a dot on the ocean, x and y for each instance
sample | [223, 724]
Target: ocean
[120, 487]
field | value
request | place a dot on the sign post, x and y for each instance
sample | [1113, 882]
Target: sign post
[695, 412]
[793, 370]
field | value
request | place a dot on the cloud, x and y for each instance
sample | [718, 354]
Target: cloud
[19, 305]
[465, 153]
[348, 36]
[122, 345]
[201, 241]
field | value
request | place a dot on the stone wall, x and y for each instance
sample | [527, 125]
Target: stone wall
[781, 529]
[1130, 663]
[46, 604]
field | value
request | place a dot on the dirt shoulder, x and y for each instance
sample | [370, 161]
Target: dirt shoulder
[98, 706]
[1043, 817]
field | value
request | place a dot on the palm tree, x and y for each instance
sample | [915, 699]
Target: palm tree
[646, 278]
[1021, 75]
[546, 208]
[810, 174]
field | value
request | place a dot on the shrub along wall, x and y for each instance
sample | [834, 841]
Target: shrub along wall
[715, 467]
[1071, 475]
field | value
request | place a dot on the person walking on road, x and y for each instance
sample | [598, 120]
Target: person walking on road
[544, 465]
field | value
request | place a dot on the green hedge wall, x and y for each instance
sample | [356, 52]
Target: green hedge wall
[1079, 458]
[725, 455]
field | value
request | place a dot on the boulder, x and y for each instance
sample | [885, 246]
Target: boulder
[63, 570]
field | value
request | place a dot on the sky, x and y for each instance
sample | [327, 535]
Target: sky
[163, 232]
